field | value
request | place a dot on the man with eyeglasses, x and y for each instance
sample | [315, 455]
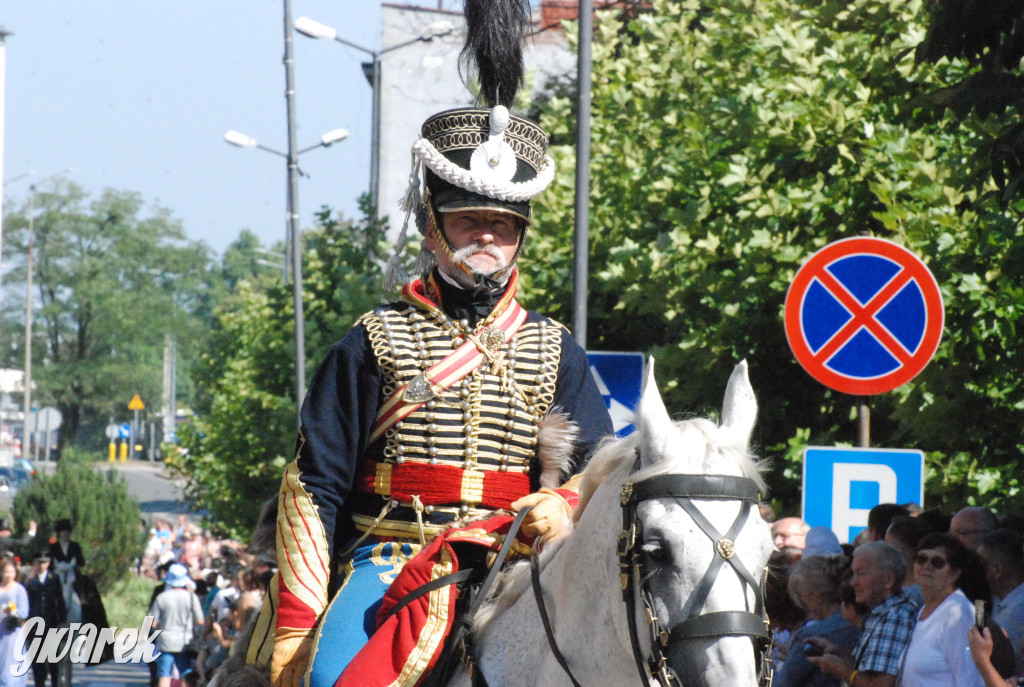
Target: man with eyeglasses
[790, 536]
[970, 524]
[878, 572]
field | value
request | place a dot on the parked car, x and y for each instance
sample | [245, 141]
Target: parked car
[15, 477]
[8, 487]
[25, 465]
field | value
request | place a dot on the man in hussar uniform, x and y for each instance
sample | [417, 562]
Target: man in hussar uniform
[443, 407]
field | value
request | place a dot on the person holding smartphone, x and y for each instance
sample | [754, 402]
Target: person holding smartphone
[877, 581]
[993, 655]
[938, 655]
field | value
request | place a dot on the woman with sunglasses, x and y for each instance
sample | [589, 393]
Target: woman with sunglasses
[938, 655]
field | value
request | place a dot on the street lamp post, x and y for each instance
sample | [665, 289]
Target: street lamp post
[314, 29]
[241, 140]
[29, 267]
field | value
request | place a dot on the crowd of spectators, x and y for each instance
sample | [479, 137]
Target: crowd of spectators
[209, 591]
[916, 599]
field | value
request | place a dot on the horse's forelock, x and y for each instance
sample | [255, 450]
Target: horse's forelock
[699, 446]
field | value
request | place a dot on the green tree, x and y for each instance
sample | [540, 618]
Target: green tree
[110, 282]
[105, 517]
[731, 139]
[234, 454]
[987, 89]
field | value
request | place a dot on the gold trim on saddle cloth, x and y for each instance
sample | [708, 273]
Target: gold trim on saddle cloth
[434, 630]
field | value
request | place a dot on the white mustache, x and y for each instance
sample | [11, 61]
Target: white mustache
[465, 254]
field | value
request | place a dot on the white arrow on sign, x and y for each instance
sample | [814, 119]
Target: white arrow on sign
[621, 416]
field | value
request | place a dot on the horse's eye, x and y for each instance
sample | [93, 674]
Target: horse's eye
[655, 553]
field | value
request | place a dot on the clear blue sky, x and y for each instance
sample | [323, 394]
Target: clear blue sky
[138, 94]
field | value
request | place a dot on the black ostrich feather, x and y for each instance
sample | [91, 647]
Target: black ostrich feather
[494, 46]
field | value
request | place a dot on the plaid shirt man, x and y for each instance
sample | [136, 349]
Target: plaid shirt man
[887, 630]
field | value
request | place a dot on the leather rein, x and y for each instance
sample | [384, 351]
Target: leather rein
[666, 647]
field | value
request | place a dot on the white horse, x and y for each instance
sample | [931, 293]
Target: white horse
[694, 547]
[65, 572]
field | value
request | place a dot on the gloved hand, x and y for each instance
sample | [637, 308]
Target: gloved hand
[550, 517]
[291, 657]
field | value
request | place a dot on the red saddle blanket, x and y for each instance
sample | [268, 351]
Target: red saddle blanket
[406, 645]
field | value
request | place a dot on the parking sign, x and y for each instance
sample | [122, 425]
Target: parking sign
[842, 484]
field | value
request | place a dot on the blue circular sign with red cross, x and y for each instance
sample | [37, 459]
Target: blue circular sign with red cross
[863, 316]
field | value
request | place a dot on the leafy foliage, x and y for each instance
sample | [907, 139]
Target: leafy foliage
[731, 140]
[109, 283]
[988, 91]
[105, 517]
[234, 454]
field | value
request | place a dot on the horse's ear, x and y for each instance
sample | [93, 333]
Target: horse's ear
[739, 409]
[652, 419]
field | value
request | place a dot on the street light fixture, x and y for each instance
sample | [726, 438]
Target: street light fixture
[237, 138]
[314, 29]
[333, 136]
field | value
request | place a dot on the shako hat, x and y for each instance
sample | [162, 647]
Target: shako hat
[479, 158]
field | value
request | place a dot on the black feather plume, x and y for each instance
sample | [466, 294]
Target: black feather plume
[494, 46]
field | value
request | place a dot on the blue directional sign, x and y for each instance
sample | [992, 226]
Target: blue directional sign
[619, 377]
[842, 484]
[863, 316]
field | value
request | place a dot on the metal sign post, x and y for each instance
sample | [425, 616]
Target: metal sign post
[138, 406]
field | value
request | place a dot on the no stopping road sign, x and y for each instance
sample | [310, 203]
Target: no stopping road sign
[863, 316]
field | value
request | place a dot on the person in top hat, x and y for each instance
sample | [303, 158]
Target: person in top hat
[64, 550]
[46, 601]
[440, 408]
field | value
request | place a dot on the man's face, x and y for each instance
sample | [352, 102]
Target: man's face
[968, 529]
[485, 241]
[789, 532]
[870, 583]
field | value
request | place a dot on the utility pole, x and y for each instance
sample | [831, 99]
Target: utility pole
[294, 227]
[170, 383]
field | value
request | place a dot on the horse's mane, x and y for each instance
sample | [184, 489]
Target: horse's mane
[614, 456]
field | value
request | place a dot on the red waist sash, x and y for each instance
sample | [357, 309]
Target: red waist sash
[437, 485]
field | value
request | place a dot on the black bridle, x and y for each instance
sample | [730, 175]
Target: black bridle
[667, 646]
